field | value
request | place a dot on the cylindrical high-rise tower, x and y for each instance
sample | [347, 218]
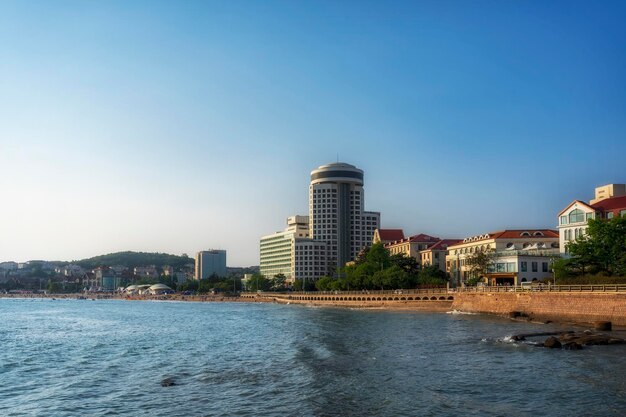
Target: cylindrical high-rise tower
[336, 213]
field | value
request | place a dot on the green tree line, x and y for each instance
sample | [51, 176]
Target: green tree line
[376, 269]
[600, 251]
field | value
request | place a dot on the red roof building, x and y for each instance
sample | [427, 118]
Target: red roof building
[387, 235]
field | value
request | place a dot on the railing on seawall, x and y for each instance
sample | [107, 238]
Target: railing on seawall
[608, 288]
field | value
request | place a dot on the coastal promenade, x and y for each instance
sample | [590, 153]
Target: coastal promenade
[436, 299]
[562, 303]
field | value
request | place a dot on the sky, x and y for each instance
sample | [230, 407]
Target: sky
[182, 126]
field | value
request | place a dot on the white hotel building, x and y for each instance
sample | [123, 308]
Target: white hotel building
[337, 212]
[333, 234]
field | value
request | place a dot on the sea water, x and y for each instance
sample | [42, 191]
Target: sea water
[109, 357]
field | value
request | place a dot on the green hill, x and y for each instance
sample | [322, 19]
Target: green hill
[133, 259]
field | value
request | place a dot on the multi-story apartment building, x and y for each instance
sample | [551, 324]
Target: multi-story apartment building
[210, 262]
[292, 253]
[609, 202]
[412, 245]
[337, 212]
[518, 256]
[435, 255]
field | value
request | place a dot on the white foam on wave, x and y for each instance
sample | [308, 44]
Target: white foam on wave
[459, 312]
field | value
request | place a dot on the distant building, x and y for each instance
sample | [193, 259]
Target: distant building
[387, 235]
[106, 279]
[210, 262]
[70, 270]
[118, 269]
[168, 271]
[146, 271]
[609, 202]
[519, 256]
[181, 277]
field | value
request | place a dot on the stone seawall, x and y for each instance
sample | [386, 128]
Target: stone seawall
[576, 307]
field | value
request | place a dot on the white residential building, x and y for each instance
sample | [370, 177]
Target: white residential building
[609, 202]
[518, 256]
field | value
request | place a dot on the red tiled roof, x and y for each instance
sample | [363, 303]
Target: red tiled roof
[390, 234]
[422, 238]
[443, 244]
[515, 234]
[610, 204]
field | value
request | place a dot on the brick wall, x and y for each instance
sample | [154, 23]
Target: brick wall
[579, 307]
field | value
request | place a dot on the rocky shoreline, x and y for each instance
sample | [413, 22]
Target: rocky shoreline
[570, 340]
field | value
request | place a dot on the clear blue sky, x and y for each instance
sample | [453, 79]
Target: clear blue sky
[180, 126]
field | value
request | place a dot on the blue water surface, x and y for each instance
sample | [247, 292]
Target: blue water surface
[108, 357]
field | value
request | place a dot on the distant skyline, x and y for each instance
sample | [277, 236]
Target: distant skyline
[181, 126]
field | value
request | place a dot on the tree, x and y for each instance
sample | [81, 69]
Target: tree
[432, 275]
[479, 264]
[258, 282]
[278, 282]
[408, 263]
[602, 248]
[324, 283]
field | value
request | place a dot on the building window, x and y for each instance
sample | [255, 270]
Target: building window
[589, 216]
[524, 266]
[576, 216]
[544, 267]
[609, 215]
[563, 219]
[534, 266]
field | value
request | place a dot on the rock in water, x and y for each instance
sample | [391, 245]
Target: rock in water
[168, 382]
[552, 343]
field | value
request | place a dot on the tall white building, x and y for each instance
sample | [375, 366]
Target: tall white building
[337, 214]
[210, 262]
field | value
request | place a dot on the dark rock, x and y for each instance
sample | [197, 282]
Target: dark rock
[514, 314]
[168, 382]
[552, 343]
[604, 326]
[572, 346]
[593, 339]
